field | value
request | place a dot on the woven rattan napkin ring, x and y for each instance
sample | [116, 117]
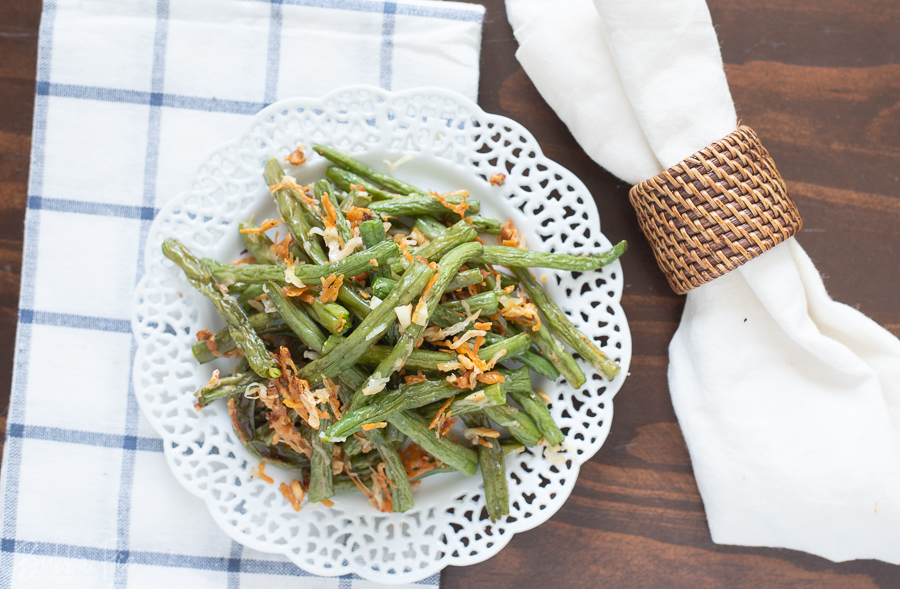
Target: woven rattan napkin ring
[715, 210]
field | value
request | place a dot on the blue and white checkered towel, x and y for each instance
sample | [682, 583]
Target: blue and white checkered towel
[130, 95]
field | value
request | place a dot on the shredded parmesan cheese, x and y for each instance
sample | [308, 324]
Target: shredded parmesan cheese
[345, 251]
[467, 336]
[291, 278]
[556, 454]
[453, 329]
[448, 366]
[482, 432]
[493, 361]
[376, 384]
[393, 166]
[404, 316]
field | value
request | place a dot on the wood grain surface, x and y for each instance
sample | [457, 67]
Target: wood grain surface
[819, 80]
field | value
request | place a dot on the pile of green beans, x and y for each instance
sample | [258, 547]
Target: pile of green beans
[380, 322]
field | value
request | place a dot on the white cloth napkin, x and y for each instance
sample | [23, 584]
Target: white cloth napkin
[130, 96]
[789, 401]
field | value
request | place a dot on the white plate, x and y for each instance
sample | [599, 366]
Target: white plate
[456, 145]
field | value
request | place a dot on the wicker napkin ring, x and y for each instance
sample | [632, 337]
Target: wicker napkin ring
[715, 210]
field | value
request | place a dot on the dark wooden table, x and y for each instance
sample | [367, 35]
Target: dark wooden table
[820, 82]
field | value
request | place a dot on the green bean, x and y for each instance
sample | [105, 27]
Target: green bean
[394, 436]
[533, 361]
[401, 493]
[420, 204]
[343, 484]
[516, 422]
[308, 273]
[561, 324]
[429, 226]
[292, 212]
[486, 302]
[349, 296]
[331, 316]
[226, 386]
[242, 411]
[381, 287]
[412, 397]
[405, 397]
[423, 310]
[502, 255]
[364, 461]
[250, 293]
[433, 471]
[299, 322]
[418, 360]
[430, 361]
[465, 460]
[355, 198]
[357, 167]
[488, 273]
[511, 446]
[373, 326]
[238, 323]
[352, 446]
[321, 190]
[262, 323]
[492, 395]
[485, 225]
[535, 408]
[300, 255]
[560, 358]
[258, 245]
[293, 216]
[372, 233]
[345, 178]
[448, 239]
[464, 279]
[493, 471]
[506, 281]
[321, 485]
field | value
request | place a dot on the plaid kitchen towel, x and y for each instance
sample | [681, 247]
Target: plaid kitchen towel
[130, 95]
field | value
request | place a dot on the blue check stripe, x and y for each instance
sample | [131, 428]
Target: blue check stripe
[386, 75]
[159, 99]
[30, 317]
[166, 559]
[84, 438]
[63, 205]
[435, 11]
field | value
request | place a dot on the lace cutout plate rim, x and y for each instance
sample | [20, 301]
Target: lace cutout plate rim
[455, 145]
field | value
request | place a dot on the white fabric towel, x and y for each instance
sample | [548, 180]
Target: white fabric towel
[789, 401]
[130, 97]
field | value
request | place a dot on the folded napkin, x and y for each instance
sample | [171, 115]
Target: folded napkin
[789, 401]
[130, 96]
